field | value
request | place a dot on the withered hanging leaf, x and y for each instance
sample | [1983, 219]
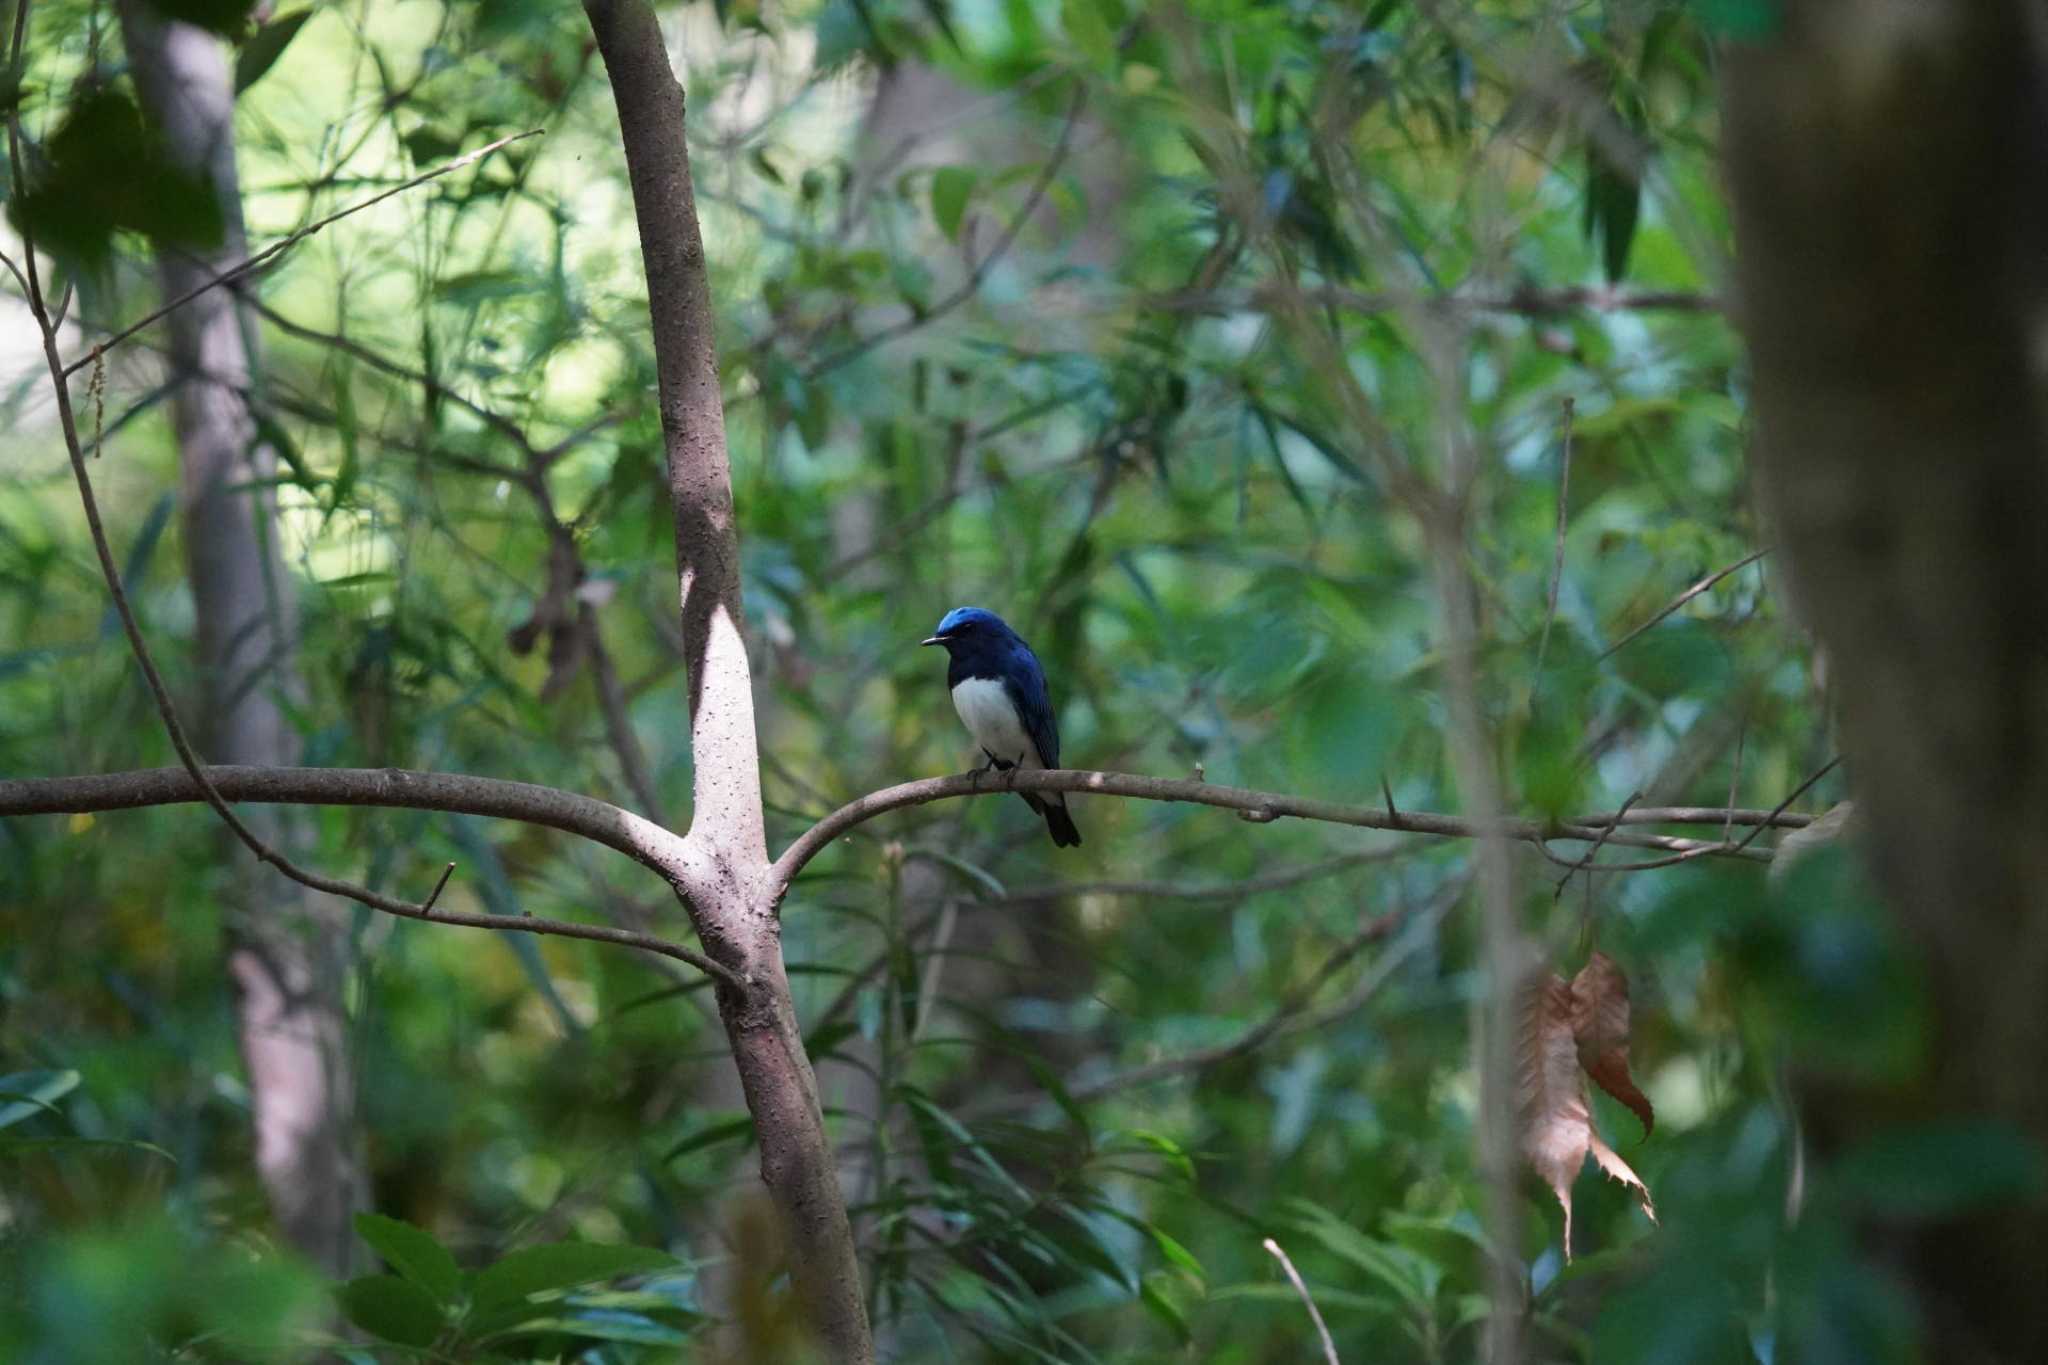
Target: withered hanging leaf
[1618, 1169]
[1600, 1025]
[1554, 1128]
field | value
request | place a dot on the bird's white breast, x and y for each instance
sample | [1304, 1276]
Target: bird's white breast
[986, 711]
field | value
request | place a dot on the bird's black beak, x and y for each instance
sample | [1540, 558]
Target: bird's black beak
[934, 640]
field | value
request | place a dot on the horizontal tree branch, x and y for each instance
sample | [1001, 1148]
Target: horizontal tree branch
[397, 788]
[1698, 815]
[641, 840]
[1529, 301]
[1256, 806]
[667, 853]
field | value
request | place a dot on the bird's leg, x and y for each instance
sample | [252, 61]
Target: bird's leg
[978, 773]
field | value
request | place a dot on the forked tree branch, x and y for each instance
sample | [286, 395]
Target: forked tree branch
[641, 840]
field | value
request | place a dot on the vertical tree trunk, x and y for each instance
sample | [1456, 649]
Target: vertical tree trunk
[284, 953]
[1885, 160]
[729, 895]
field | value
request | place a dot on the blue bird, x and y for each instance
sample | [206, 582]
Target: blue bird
[999, 691]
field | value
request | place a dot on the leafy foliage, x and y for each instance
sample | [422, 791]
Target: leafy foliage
[1057, 309]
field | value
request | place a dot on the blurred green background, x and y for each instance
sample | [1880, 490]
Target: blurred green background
[1011, 305]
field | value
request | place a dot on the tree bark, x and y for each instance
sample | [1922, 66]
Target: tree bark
[1885, 165]
[730, 900]
[285, 954]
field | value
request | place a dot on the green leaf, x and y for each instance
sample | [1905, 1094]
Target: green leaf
[265, 46]
[1742, 20]
[33, 1092]
[952, 187]
[429, 146]
[563, 1265]
[1166, 1311]
[1614, 194]
[979, 877]
[1938, 1170]
[23, 1146]
[1396, 1267]
[413, 1253]
[394, 1309]
[106, 171]
[481, 286]
[272, 432]
[601, 1326]
[710, 1135]
[1089, 29]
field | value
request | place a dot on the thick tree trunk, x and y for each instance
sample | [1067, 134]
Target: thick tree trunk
[1885, 160]
[284, 954]
[730, 895]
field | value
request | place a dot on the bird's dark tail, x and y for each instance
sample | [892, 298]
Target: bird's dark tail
[1064, 835]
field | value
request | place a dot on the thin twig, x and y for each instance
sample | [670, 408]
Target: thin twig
[1265, 806]
[1564, 483]
[1694, 591]
[1594, 852]
[1735, 779]
[429, 385]
[1278, 1021]
[427, 905]
[1322, 1329]
[1533, 301]
[1695, 815]
[1797, 792]
[235, 272]
[1207, 891]
[972, 284]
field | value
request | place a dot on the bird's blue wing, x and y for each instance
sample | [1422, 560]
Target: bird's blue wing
[1024, 680]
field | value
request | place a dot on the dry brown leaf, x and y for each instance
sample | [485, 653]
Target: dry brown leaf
[1618, 1169]
[1554, 1127]
[1600, 1024]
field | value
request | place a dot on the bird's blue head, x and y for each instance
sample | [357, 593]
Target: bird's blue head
[970, 629]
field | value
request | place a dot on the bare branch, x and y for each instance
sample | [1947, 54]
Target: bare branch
[429, 385]
[1797, 792]
[1698, 815]
[641, 840]
[1529, 301]
[1284, 1018]
[1322, 1329]
[1259, 806]
[1606, 832]
[1694, 591]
